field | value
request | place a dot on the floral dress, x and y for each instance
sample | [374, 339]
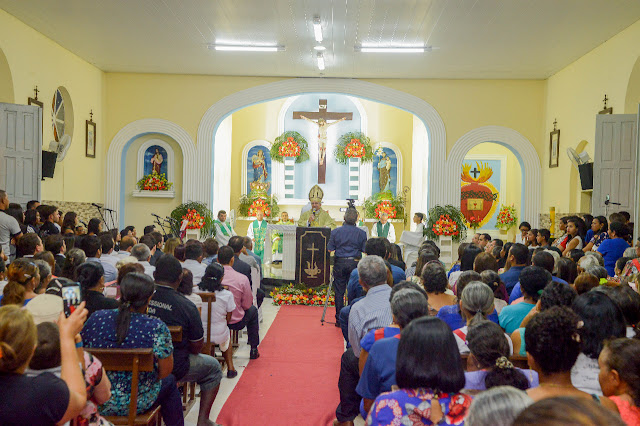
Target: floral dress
[412, 407]
[144, 332]
[89, 415]
[598, 239]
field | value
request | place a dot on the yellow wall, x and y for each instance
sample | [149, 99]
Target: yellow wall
[574, 97]
[6, 80]
[36, 60]
[513, 176]
[138, 210]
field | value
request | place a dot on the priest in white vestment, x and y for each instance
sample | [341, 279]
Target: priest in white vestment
[224, 230]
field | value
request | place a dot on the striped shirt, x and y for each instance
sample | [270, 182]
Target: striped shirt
[370, 313]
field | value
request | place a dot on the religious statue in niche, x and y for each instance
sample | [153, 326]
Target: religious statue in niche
[155, 160]
[258, 172]
[384, 168]
[322, 115]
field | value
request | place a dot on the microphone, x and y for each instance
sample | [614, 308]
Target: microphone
[156, 216]
[96, 205]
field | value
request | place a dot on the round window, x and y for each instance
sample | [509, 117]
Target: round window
[61, 114]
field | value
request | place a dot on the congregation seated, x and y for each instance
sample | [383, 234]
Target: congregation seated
[544, 260]
[129, 327]
[126, 245]
[31, 220]
[613, 248]
[620, 369]
[44, 398]
[186, 288]
[152, 243]
[533, 280]
[237, 244]
[497, 406]
[176, 310]
[92, 247]
[91, 277]
[44, 271]
[221, 313]
[194, 254]
[518, 257]
[434, 280]
[210, 247]
[429, 374]
[23, 278]
[425, 256]
[56, 245]
[244, 314]
[488, 363]
[492, 279]
[74, 258]
[50, 215]
[377, 361]
[564, 410]
[466, 264]
[248, 256]
[157, 253]
[142, 254]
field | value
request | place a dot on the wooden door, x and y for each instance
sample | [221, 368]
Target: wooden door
[20, 151]
[614, 167]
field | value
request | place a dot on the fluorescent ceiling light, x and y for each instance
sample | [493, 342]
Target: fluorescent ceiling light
[392, 49]
[320, 61]
[246, 48]
[317, 29]
[320, 48]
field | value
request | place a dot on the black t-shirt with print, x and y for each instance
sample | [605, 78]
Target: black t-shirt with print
[174, 309]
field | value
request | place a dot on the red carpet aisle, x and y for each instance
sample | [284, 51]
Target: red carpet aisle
[295, 380]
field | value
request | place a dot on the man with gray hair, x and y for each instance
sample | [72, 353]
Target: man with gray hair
[347, 242]
[370, 313]
[143, 255]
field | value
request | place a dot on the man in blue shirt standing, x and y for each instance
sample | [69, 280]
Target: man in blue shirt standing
[347, 242]
[518, 258]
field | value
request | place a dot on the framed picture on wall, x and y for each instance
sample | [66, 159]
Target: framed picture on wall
[91, 139]
[554, 148]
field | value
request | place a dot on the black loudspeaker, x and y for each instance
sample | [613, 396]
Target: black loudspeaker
[586, 176]
[48, 163]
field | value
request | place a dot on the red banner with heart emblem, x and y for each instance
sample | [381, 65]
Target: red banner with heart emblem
[478, 197]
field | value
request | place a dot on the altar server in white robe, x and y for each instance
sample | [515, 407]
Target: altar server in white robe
[224, 230]
[384, 228]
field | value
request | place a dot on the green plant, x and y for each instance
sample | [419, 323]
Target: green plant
[353, 144]
[208, 230]
[286, 142]
[246, 202]
[453, 214]
[371, 206]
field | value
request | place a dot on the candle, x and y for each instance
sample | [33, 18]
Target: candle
[552, 216]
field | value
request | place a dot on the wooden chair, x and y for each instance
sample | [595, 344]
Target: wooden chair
[135, 361]
[188, 389]
[208, 299]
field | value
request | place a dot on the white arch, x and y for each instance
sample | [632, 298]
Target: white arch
[290, 87]
[521, 147]
[133, 130]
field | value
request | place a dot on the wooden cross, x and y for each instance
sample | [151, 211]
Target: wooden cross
[36, 92]
[323, 114]
[91, 116]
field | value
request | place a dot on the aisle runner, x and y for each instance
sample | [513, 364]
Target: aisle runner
[295, 380]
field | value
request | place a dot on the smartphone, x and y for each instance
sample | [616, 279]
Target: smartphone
[71, 297]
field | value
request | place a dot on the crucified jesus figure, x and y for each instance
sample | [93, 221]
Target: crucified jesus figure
[322, 135]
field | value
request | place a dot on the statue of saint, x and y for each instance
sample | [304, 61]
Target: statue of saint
[322, 135]
[259, 167]
[384, 168]
[156, 161]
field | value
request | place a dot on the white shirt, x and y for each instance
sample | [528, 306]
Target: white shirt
[584, 375]
[121, 254]
[110, 258]
[197, 300]
[464, 349]
[148, 269]
[222, 239]
[391, 235]
[224, 303]
[196, 268]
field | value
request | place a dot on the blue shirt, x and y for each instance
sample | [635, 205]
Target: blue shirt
[511, 316]
[347, 241]
[370, 338]
[589, 236]
[355, 290]
[511, 277]
[110, 271]
[209, 260]
[516, 293]
[379, 372]
[612, 250]
[451, 315]
[454, 268]
[370, 313]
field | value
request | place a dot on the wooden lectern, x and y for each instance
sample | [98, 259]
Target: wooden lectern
[313, 262]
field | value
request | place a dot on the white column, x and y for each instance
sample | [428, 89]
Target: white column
[289, 166]
[354, 177]
[288, 248]
[222, 166]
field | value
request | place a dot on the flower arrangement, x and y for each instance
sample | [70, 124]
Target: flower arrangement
[259, 205]
[507, 217]
[445, 226]
[353, 145]
[444, 217]
[154, 182]
[290, 144]
[299, 294]
[385, 207]
[249, 206]
[474, 222]
[290, 148]
[184, 210]
[194, 220]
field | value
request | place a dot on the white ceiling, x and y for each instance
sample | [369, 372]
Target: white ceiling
[473, 38]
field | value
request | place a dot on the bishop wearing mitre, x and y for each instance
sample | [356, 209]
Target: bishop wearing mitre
[316, 217]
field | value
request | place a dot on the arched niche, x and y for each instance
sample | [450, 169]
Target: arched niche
[388, 146]
[168, 154]
[521, 148]
[633, 90]
[6, 81]
[431, 182]
[246, 157]
[115, 178]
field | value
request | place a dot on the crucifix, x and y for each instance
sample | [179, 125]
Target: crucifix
[322, 115]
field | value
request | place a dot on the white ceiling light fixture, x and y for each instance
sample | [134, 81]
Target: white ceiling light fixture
[392, 49]
[319, 48]
[320, 59]
[246, 47]
[317, 29]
